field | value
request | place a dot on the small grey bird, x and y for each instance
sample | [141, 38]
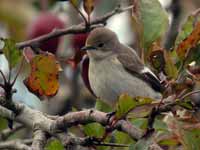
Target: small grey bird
[115, 69]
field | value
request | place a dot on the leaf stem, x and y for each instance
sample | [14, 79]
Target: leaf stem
[21, 66]
[3, 76]
[82, 15]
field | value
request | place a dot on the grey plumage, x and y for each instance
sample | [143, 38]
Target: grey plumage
[115, 69]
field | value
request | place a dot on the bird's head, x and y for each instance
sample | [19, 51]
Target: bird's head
[101, 43]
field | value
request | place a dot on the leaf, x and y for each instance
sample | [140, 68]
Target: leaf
[28, 54]
[189, 138]
[122, 138]
[143, 144]
[189, 42]
[94, 130]
[161, 60]
[88, 6]
[74, 2]
[153, 19]
[170, 68]
[101, 106]
[126, 103]
[140, 122]
[11, 52]
[43, 79]
[54, 145]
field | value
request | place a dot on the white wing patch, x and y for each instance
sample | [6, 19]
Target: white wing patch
[147, 70]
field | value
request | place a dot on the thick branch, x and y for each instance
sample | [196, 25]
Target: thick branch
[39, 140]
[52, 124]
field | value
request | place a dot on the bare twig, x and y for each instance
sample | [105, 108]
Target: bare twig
[16, 144]
[71, 140]
[3, 76]
[189, 94]
[82, 15]
[18, 72]
[75, 29]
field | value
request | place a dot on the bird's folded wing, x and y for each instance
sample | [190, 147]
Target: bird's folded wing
[132, 63]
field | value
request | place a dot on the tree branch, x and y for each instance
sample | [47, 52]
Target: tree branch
[16, 144]
[39, 140]
[75, 29]
[52, 124]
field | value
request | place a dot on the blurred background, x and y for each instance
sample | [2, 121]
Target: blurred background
[26, 19]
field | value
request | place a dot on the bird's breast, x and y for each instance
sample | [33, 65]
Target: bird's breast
[109, 79]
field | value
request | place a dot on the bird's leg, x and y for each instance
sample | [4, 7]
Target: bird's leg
[151, 120]
[110, 115]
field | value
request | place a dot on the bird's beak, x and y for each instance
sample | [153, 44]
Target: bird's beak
[88, 48]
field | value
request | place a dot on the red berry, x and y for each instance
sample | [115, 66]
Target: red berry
[79, 40]
[44, 24]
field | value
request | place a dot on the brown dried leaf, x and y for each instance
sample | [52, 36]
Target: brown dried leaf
[43, 79]
[88, 6]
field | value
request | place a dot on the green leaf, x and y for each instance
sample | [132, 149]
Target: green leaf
[12, 54]
[3, 123]
[191, 139]
[94, 130]
[142, 144]
[101, 106]
[54, 145]
[170, 68]
[169, 142]
[126, 103]
[159, 125]
[140, 122]
[154, 20]
[188, 37]
[122, 138]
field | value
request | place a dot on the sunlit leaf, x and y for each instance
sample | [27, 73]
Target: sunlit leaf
[54, 145]
[74, 2]
[88, 6]
[101, 106]
[94, 130]
[124, 105]
[12, 54]
[122, 138]
[43, 79]
[140, 122]
[170, 68]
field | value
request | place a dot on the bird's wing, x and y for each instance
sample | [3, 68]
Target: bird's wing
[133, 64]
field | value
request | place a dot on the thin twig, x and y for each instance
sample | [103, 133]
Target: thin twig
[21, 66]
[189, 94]
[82, 15]
[75, 29]
[3, 76]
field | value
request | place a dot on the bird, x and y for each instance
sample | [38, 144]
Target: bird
[116, 69]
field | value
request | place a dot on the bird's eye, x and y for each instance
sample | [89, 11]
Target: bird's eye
[100, 45]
